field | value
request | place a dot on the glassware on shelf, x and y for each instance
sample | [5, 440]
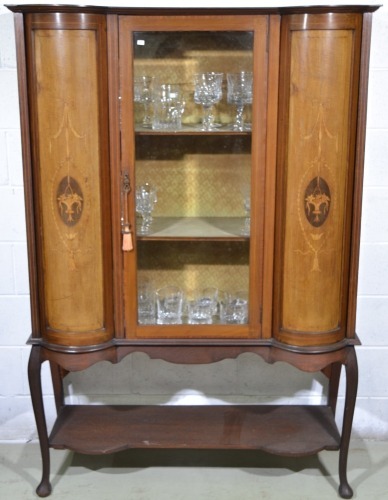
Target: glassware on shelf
[146, 198]
[210, 295]
[169, 303]
[223, 300]
[234, 308]
[143, 93]
[145, 303]
[207, 92]
[199, 313]
[240, 94]
[246, 228]
[202, 306]
[169, 106]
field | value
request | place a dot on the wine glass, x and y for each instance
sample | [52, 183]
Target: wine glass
[143, 93]
[207, 92]
[239, 94]
[145, 202]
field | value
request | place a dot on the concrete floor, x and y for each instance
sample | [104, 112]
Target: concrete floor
[193, 475]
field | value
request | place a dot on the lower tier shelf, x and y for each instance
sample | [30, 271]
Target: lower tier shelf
[281, 430]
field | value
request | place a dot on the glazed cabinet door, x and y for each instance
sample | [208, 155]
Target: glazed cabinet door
[67, 91]
[193, 93]
[320, 61]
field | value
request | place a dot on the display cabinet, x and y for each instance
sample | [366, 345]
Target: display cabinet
[193, 183]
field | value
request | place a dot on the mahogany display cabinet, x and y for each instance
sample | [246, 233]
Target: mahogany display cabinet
[193, 184]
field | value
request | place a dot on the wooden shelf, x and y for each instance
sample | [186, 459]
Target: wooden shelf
[282, 430]
[206, 228]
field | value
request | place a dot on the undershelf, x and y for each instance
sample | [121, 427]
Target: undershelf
[281, 430]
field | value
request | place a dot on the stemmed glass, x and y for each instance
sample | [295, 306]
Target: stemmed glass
[143, 93]
[207, 92]
[239, 94]
[145, 202]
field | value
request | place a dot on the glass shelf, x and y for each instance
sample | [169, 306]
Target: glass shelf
[191, 130]
[207, 228]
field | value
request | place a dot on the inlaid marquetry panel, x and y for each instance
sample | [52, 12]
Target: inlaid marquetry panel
[69, 178]
[316, 173]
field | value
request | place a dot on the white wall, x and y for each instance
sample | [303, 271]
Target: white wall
[138, 379]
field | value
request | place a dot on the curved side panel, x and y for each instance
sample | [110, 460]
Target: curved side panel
[319, 95]
[68, 96]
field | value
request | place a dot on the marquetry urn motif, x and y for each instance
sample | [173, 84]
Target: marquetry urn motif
[70, 201]
[68, 174]
[317, 171]
[317, 201]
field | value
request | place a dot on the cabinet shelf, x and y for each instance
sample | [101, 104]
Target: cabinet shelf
[285, 430]
[191, 130]
[198, 228]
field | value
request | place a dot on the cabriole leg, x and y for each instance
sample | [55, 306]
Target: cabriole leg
[334, 379]
[57, 374]
[351, 368]
[34, 377]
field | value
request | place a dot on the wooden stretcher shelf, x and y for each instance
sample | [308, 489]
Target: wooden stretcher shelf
[282, 430]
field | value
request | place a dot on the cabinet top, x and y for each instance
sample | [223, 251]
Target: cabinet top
[46, 8]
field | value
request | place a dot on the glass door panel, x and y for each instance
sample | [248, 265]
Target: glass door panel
[193, 165]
